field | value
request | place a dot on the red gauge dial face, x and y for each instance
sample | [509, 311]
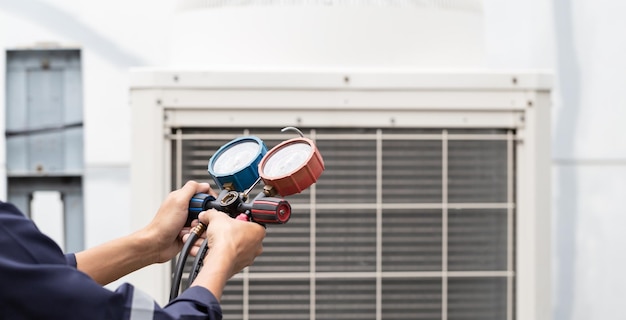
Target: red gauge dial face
[292, 166]
[287, 160]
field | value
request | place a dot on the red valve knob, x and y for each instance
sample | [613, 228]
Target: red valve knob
[271, 210]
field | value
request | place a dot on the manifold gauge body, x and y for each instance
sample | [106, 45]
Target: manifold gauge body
[292, 166]
[234, 165]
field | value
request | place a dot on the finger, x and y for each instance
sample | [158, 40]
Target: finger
[208, 215]
[192, 187]
[198, 243]
[212, 192]
[195, 248]
[205, 188]
[183, 234]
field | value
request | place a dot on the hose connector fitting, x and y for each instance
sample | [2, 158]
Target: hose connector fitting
[199, 229]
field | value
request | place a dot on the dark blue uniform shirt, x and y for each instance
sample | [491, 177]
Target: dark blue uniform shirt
[37, 281]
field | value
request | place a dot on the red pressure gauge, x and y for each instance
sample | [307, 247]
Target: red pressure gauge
[291, 166]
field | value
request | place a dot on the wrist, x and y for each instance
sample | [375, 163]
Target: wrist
[218, 268]
[144, 247]
[221, 260]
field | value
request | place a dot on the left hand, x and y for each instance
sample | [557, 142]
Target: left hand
[165, 230]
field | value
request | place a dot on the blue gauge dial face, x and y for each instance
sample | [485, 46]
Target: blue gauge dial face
[236, 157]
[287, 159]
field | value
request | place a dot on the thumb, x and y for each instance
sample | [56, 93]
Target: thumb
[208, 215]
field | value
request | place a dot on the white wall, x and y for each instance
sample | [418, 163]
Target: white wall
[581, 40]
[112, 36]
[590, 159]
[338, 36]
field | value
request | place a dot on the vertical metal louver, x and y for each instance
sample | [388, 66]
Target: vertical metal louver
[403, 224]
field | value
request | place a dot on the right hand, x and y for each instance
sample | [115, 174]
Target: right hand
[237, 243]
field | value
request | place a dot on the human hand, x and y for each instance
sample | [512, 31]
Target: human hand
[233, 244]
[164, 232]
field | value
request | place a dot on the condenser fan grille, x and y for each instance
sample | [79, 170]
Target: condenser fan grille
[407, 223]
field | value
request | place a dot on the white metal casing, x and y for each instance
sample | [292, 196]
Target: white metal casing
[163, 99]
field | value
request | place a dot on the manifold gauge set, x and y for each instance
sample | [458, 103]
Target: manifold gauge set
[237, 168]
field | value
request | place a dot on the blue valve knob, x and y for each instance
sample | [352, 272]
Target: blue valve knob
[198, 203]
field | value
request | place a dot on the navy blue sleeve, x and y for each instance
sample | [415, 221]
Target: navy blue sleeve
[37, 281]
[70, 259]
[194, 303]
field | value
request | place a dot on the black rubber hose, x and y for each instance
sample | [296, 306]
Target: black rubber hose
[182, 258]
[198, 262]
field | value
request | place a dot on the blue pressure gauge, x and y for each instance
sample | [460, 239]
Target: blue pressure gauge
[235, 164]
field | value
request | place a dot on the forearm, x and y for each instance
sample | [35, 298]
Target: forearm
[112, 260]
[218, 268]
